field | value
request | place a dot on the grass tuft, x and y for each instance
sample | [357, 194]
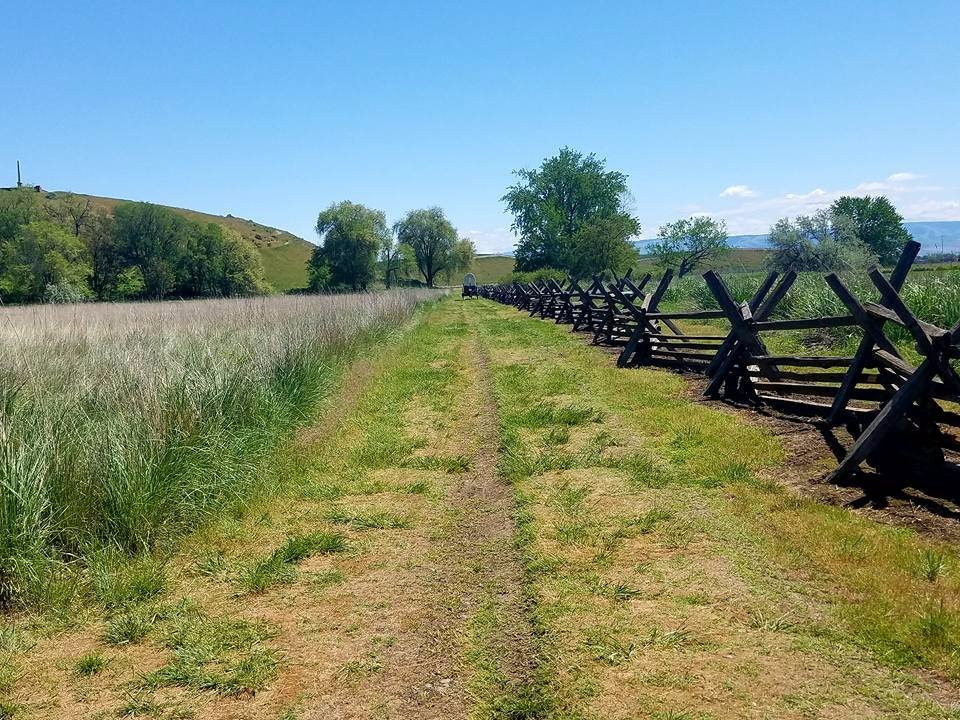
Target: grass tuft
[90, 664]
[279, 566]
[376, 520]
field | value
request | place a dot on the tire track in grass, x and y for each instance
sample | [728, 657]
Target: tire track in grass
[482, 655]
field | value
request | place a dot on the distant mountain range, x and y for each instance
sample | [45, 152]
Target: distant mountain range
[934, 237]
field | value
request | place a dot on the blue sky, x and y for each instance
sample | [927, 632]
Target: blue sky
[747, 111]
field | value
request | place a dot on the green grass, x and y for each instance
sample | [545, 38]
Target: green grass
[285, 263]
[220, 655]
[280, 565]
[690, 493]
[90, 664]
[492, 268]
[127, 426]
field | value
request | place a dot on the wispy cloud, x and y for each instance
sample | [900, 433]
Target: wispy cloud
[915, 200]
[903, 177]
[738, 191]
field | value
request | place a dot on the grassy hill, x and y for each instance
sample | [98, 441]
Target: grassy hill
[283, 254]
[491, 268]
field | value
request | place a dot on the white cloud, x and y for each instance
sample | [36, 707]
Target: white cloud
[903, 177]
[915, 201]
[741, 191]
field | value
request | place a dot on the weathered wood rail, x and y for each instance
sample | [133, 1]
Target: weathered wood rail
[876, 392]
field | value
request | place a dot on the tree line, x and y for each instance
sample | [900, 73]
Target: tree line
[572, 217]
[64, 248]
[357, 247]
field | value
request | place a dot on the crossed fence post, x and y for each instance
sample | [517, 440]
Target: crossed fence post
[867, 343]
[743, 336]
[633, 349]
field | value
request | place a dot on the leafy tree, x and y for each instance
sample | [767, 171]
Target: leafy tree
[106, 261]
[877, 224]
[219, 262]
[820, 242]
[397, 260]
[552, 204]
[688, 243]
[351, 236]
[602, 245]
[464, 252]
[17, 208]
[529, 276]
[241, 267]
[40, 255]
[433, 239]
[154, 240]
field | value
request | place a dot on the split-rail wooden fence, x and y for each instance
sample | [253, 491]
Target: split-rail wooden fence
[876, 393]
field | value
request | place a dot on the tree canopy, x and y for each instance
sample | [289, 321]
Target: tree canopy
[434, 242]
[351, 237]
[65, 248]
[877, 225]
[821, 242]
[688, 243]
[560, 208]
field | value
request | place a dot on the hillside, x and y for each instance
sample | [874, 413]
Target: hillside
[492, 268]
[283, 254]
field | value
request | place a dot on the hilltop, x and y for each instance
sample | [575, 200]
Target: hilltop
[283, 254]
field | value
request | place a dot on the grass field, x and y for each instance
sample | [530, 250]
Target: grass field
[497, 268]
[285, 265]
[489, 520]
[492, 268]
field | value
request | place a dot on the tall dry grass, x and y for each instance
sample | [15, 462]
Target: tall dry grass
[124, 425]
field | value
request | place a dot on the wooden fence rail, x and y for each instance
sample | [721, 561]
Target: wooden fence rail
[875, 392]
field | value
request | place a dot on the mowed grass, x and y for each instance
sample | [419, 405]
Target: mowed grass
[671, 576]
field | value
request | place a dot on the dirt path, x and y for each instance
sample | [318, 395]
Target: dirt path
[477, 573]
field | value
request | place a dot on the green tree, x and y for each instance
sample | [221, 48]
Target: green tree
[464, 252]
[154, 240]
[552, 204]
[241, 268]
[219, 263]
[17, 208]
[433, 239]
[41, 258]
[602, 245]
[820, 242]
[397, 260]
[688, 243]
[106, 261]
[351, 235]
[877, 224]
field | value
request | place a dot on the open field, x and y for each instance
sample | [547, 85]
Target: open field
[484, 518]
[492, 268]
